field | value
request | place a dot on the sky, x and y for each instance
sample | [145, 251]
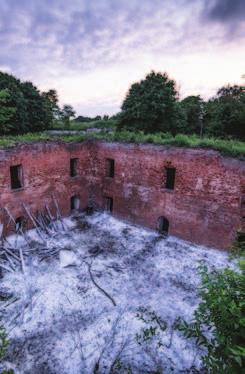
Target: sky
[91, 51]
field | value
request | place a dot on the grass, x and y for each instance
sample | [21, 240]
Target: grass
[232, 148]
[81, 126]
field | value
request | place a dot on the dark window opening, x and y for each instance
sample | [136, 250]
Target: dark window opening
[108, 204]
[170, 178]
[16, 177]
[110, 166]
[19, 224]
[75, 203]
[73, 166]
[163, 225]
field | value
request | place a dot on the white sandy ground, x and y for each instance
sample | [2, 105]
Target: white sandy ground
[61, 323]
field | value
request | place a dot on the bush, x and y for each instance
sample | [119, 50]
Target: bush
[218, 325]
[3, 342]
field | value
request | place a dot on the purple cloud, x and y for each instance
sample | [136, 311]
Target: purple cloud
[91, 51]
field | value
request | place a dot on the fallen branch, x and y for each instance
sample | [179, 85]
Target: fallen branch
[99, 288]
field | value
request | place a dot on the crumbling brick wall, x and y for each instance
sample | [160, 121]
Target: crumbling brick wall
[205, 205]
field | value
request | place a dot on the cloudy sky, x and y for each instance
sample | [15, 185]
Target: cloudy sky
[90, 51]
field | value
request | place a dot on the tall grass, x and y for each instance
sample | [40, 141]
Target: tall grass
[81, 126]
[229, 147]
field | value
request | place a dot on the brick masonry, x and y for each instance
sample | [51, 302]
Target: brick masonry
[206, 206]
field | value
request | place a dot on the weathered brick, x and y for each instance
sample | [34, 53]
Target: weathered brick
[206, 205]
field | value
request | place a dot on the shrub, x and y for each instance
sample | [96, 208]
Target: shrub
[218, 325]
[3, 342]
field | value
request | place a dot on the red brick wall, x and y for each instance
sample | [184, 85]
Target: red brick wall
[206, 205]
[46, 172]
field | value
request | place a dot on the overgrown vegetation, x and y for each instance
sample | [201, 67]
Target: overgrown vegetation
[238, 248]
[3, 342]
[150, 105]
[82, 126]
[153, 105]
[218, 325]
[22, 107]
[233, 148]
[3, 349]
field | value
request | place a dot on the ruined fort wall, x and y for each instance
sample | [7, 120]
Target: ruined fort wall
[46, 178]
[205, 206]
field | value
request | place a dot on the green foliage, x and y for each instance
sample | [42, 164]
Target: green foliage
[51, 98]
[150, 105]
[155, 326]
[82, 126]
[22, 107]
[225, 114]
[3, 342]
[218, 325]
[6, 111]
[66, 114]
[238, 248]
[120, 367]
[192, 115]
[3, 349]
[227, 147]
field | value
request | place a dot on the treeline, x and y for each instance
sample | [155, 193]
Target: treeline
[153, 105]
[82, 119]
[23, 108]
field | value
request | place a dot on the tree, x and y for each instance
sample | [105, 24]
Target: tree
[225, 113]
[150, 105]
[83, 119]
[39, 112]
[31, 111]
[192, 107]
[6, 112]
[52, 99]
[66, 114]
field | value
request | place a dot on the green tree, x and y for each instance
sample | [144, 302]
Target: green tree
[150, 105]
[31, 111]
[66, 114]
[39, 113]
[225, 114]
[52, 100]
[6, 112]
[192, 121]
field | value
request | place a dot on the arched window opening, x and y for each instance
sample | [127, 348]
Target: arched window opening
[163, 225]
[75, 203]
